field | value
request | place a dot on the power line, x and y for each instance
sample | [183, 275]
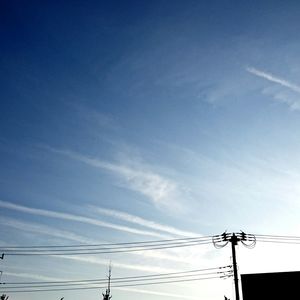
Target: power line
[191, 275]
[280, 239]
[101, 252]
[110, 244]
[119, 278]
[224, 273]
[277, 236]
[153, 244]
[104, 250]
[280, 242]
[117, 286]
[219, 241]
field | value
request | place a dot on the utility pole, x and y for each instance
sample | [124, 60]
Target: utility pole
[222, 240]
[234, 240]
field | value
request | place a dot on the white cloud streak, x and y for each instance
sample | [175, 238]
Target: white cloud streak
[39, 277]
[178, 255]
[76, 218]
[289, 96]
[33, 276]
[272, 78]
[142, 222]
[43, 230]
[160, 190]
[156, 293]
[127, 266]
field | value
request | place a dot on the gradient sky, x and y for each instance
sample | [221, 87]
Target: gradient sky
[139, 120]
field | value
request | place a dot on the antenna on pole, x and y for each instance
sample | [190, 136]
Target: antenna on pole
[107, 295]
[109, 277]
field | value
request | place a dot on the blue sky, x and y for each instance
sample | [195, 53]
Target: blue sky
[136, 120]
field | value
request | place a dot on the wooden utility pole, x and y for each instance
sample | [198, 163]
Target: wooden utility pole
[234, 240]
[222, 240]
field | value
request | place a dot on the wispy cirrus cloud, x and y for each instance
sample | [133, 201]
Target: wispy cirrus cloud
[43, 230]
[39, 277]
[32, 276]
[76, 218]
[288, 98]
[162, 191]
[156, 293]
[128, 266]
[40, 229]
[275, 79]
[142, 222]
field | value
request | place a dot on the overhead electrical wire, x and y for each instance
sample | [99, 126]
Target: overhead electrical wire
[89, 251]
[106, 248]
[278, 236]
[112, 244]
[118, 278]
[117, 286]
[119, 281]
[279, 239]
[220, 272]
[102, 248]
[197, 272]
[219, 241]
[138, 246]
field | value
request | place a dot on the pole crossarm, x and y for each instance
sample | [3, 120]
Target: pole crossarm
[220, 241]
